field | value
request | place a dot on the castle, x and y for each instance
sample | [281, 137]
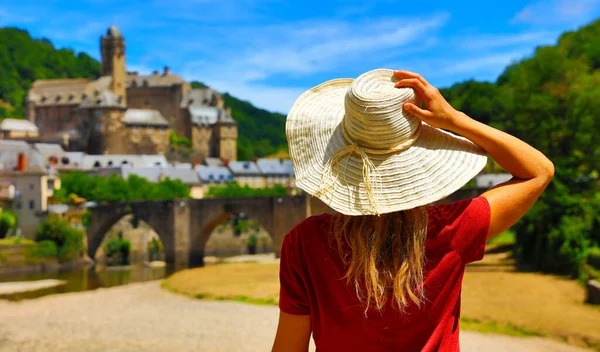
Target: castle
[126, 113]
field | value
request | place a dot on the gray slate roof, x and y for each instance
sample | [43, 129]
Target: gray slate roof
[208, 115]
[275, 167]
[199, 97]
[244, 168]
[49, 150]
[490, 180]
[18, 125]
[289, 167]
[119, 160]
[144, 117]
[113, 31]
[211, 174]
[9, 155]
[187, 176]
[104, 99]
[154, 80]
[213, 162]
[156, 174]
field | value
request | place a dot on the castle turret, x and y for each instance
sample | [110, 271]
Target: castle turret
[112, 47]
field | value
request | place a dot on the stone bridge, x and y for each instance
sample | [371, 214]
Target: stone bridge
[184, 226]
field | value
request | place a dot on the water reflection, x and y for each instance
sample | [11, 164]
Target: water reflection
[85, 279]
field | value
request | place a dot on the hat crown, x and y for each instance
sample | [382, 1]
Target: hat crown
[374, 117]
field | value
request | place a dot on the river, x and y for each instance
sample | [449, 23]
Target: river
[85, 279]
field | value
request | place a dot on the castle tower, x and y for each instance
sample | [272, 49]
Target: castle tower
[112, 47]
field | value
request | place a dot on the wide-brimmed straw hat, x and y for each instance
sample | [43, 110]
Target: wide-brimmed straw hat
[355, 148]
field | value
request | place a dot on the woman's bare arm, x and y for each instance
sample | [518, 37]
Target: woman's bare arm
[531, 170]
[293, 333]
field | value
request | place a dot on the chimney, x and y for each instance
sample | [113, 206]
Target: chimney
[167, 71]
[21, 162]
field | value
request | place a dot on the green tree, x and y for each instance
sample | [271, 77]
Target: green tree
[114, 188]
[551, 100]
[234, 190]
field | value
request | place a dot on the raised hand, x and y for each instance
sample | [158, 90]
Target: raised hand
[438, 112]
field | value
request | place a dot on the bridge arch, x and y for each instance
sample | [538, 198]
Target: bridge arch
[184, 226]
[158, 215]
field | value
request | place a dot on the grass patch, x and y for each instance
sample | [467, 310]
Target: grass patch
[14, 241]
[505, 238]
[496, 328]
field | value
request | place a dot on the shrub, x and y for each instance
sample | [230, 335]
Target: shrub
[41, 252]
[8, 220]
[592, 257]
[68, 240]
[118, 249]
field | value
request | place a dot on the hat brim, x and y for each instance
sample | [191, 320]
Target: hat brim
[435, 166]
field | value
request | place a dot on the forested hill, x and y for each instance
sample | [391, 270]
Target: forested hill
[24, 59]
[552, 101]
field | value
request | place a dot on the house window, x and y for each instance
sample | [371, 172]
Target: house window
[31, 186]
[146, 102]
[19, 205]
[31, 204]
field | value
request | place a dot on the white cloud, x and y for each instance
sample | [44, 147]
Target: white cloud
[302, 49]
[491, 62]
[557, 11]
[484, 42]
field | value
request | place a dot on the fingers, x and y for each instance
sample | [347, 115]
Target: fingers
[408, 74]
[414, 84]
[418, 112]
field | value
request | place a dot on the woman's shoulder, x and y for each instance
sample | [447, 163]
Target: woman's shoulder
[448, 213]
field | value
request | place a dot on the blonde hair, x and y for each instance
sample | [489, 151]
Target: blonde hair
[385, 256]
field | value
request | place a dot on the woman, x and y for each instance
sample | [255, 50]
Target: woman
[385, 274]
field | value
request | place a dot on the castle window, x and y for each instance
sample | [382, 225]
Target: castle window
[110, 163]
[97, 164]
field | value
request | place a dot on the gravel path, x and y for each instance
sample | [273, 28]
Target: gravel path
[144, 317]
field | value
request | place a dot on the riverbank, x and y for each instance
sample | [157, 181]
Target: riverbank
[9, 288]
[144, 317]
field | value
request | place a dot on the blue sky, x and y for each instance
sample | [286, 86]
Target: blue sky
[270, 51]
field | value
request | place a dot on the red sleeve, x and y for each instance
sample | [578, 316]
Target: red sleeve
[292, 293]
[468, 221]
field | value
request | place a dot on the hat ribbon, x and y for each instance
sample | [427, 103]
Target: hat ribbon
[369, 171]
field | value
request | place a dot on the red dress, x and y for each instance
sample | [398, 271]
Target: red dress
[311, 284]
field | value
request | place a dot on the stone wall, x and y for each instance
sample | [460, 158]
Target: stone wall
[223, 242]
